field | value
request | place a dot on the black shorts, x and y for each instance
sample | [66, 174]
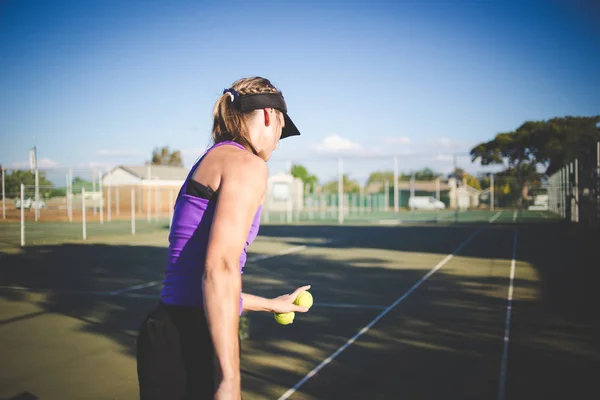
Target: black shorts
[175, 354]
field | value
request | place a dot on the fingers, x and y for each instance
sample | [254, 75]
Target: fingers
[300, 309]
[300, 290]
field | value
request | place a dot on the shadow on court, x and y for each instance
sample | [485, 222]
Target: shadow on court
[445, 340]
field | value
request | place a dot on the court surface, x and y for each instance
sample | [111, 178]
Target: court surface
[412, 309]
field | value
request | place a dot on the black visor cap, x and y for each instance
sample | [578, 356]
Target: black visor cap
[270, 100]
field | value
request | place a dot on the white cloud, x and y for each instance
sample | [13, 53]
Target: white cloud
[117, 153]
[397, 140]
[336, 144]
[42, 163]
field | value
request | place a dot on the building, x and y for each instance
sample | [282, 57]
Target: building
[151, 188]
[284, 193]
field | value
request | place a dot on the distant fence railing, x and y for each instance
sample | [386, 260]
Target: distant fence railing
[574, 190]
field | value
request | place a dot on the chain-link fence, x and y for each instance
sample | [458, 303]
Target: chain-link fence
[59, 204]
[82, 204]
[575, 189]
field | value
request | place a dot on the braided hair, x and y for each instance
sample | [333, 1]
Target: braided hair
[230, 123]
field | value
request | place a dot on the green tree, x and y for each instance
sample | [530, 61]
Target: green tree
[381, 176]
[14, 179]
[547, 144]
[299, 171]
[164, 156]
[469, 179]
[426, 174]
[79, 183]
[350, 186]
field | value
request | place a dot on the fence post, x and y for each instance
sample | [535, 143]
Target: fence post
[340, 191]
[576, 187]
[396, 204]
[93, 190]
[22, 215]
[3, 196]
[70, 194]
[83, 213]
[492, 192]
[133, 211]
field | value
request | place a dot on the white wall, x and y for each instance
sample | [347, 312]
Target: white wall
[284, 193]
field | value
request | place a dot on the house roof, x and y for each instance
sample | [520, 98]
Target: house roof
[162, 172]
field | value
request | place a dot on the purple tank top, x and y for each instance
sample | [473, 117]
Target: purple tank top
[188, 240]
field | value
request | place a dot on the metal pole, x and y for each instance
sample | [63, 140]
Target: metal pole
[3, 195]
[133, 211]
[83, 213]
[101, 189]
[396, 184]
[412, 187]
[67, 193]
[70, 194]
[492, 192]
[148, 195]
[560, 192]
[22, 214]
[437, 188]
[340, 191]
[37, 186]
[455, 191]
[576, 189]
[93, 190]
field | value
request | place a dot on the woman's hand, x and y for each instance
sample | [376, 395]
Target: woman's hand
[285, 303]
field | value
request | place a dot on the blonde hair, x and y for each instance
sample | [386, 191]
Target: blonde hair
[230, 123]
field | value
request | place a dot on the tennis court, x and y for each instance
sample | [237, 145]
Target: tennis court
[406, 306]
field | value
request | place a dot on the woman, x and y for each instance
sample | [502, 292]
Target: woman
[188, 346]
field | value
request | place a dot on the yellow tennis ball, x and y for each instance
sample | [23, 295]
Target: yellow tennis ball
[304, 299]
[285, 318]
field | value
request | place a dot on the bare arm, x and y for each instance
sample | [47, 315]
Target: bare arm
[240, 192]
[281, 304]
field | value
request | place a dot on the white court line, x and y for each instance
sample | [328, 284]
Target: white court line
[495, 217]
[501, 387]
[514, 216]
[367, 327]
[289, 250]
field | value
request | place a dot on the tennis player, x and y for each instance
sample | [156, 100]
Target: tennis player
[188, 346]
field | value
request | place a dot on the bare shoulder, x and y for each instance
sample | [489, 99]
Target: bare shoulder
[247, 167]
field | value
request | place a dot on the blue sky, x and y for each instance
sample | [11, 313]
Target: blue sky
[101, 83]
